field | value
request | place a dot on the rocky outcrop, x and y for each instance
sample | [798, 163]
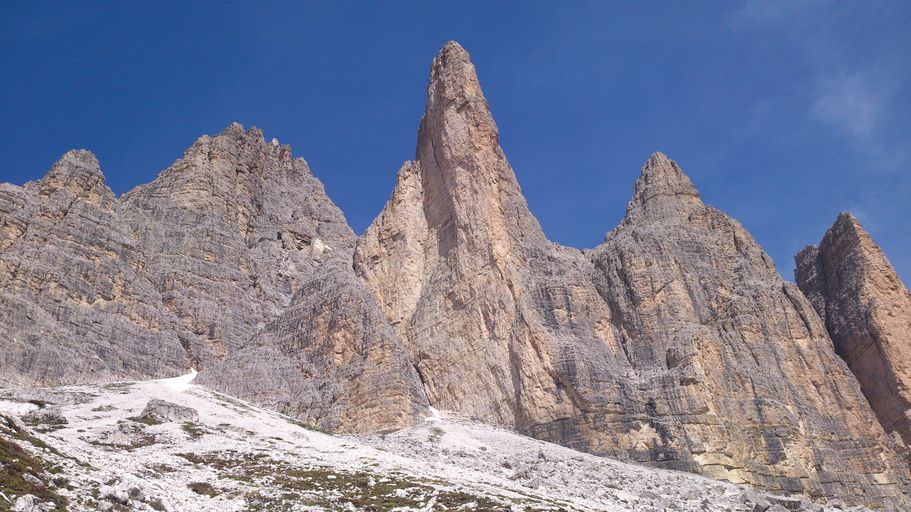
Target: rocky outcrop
[867, 311]
[733, 375]
[75, 301]
[674, 343]
[161, 411]
[231, 231]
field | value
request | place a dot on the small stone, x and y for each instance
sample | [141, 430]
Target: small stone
[32, 479]
[26, 503]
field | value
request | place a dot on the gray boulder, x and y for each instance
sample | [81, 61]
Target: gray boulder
[166, 412]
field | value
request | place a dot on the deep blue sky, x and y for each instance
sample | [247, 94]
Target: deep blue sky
[783, 113]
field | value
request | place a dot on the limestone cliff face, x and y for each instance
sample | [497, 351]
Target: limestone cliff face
[867, 311]
[330, 359]
[460, 268]
[75, 304]
[231, 231]
[233, 260]
[675, 342]
[735, 373]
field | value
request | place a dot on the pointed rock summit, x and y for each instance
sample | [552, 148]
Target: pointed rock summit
[76, 175]
[867, 311]
[674, 343]
[464, 273]
[662, 188]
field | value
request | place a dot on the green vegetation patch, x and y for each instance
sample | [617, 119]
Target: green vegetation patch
[144, 421]
[275, 485]
[204, 488]
[194, 430]
[16, 461]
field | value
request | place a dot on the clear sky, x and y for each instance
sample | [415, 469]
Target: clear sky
[782, 113]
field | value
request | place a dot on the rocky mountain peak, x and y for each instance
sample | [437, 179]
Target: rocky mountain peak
[867, 312]
[662, 188]
[452, 75]
[457, 127]
[76, 175]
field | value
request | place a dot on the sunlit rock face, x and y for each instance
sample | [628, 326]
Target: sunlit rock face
[675, 342]
[867, 311]
[733, 369]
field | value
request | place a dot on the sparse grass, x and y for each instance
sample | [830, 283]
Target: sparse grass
[303, 425]
[162, 469]
[144, 421]
[193, 430]
[204, 488]
[137, 436]
[16, 461]
[276, 484]
[45, 423]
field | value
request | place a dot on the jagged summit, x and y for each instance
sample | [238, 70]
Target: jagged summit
[237, 130]
[78, 175]
[867, 312]
[662, 188]
[452, 73]
[457, 125]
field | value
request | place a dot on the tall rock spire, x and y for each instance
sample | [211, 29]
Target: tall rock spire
[867, 311]
[463, 270]
[467, 181]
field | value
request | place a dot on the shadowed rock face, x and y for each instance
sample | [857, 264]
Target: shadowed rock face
[867, 311]
[330, 359]
[675, 342]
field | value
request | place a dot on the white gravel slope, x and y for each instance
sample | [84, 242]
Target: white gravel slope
[241, 457]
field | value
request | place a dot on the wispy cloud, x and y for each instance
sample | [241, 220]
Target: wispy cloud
[851, 95]
[850, 104]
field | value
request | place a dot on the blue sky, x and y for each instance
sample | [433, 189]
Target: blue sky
[782, 113]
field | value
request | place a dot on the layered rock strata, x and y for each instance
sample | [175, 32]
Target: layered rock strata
[233, 261]
[734, 373]
[867, 311]
[675, 342]
[75, 302]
